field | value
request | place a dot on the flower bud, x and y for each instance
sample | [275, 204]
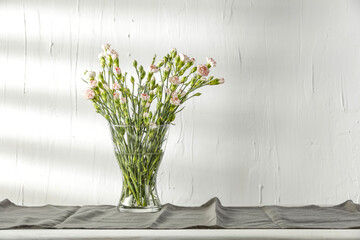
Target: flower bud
[173, 87]
[96, 106]
[173, 52]
[102, 62]
[152, 84]
[177, 60]
[149, 77]
[100, 84]
[132, 79]
[200, 82]
[166, 73]
[171, 117]
[160, 121]
[181, 64]
[146, 121]
[100, 76]
[103, 96]
[116, 62]
[160, 64]
[135, 64]
[151, 93]
[168, 98]
[143, 75]
[216, 81]
[110, 61]
[213, 82]
[193, 69]
[127, 91]
[188, 64]
[159, 92]
[182, 71]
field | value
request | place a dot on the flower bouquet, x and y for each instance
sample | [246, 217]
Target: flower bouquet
[139, 111]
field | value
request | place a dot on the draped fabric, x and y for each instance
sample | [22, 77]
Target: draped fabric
[210, 215]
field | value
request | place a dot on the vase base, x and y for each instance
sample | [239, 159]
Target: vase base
[139, 209]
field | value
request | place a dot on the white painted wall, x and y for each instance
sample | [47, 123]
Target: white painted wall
[283, 129]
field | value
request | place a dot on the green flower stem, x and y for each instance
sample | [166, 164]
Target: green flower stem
[140, 169]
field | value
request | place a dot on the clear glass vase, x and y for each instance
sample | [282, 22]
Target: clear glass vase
[139, 151]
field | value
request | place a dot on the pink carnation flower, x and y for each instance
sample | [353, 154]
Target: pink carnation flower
[183, 57]
[114, 56]
[211, 61]
[221, 80]
[91, 74]
[153, 69]
[117, 70]
[168, 91]
[174, 94]
[146, 114]
[116, 95]
[175, 101]
[89, 94]
[93, 83]
[144, 96]
[181, 93]
[175, 80]
[116, 86]
[105, 47]
[110, 52]
[203, 70]
[122, 100]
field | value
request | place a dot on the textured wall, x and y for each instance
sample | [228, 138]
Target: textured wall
[283, 129]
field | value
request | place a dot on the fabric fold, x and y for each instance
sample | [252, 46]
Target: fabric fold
[212, 214]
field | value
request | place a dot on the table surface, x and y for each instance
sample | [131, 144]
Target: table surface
[199, 234]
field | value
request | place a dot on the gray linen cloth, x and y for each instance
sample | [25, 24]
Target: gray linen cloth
[210, 215]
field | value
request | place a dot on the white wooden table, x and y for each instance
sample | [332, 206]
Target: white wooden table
[203, 234]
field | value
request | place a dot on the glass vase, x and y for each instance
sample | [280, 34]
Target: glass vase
[139, 150]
